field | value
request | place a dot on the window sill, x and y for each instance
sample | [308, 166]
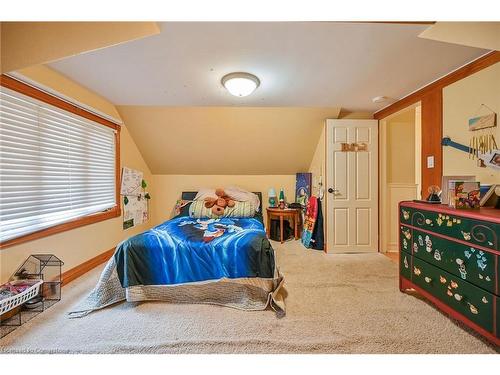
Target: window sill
[75, 223]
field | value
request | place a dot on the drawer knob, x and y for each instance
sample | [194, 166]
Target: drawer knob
[459, 261]
[442, 279]
[416, 271]
[454, 285]
[458, 297]
[449, 292]
[427, 279]
[484, 299]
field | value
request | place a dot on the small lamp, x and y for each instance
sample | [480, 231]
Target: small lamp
[272, 197]
[282, 199]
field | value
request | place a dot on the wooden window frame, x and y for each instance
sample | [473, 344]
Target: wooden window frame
[35, 93]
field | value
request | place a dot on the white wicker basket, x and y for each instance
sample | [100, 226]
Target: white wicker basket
[9, 303]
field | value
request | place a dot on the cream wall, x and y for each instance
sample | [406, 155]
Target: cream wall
[401, 148]
[226, 140]
[32, 43]
[461, 101]
[474, 34]
[168, 188]
[44, 77]
[317, 166]
[81, 244]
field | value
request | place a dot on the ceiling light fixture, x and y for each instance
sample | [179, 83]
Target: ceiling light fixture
[240, 84]
[380, 99]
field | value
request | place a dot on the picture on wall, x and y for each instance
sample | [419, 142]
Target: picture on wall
[483, 122]
[495, 160]
[303, 183]
[491, 159]
[135, 198]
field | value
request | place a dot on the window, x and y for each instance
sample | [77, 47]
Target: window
[58, 169]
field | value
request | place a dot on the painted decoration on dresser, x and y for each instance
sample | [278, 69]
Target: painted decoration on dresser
[454, 263]
[462, 260]
[463, 228]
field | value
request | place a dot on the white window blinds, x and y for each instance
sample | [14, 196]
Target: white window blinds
[55, 166]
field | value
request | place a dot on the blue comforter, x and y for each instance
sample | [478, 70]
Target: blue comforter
[185, 250]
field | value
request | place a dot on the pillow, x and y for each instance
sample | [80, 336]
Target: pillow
[205, 193]
[182, 207]
[197, 210]
[236, 193]
[241, 195]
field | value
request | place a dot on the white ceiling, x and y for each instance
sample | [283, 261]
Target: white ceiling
[304, 64]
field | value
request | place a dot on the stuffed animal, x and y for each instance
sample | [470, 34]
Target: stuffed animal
[220, 203]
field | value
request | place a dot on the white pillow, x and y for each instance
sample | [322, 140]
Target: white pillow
[242, 195]
[205, 193]
[234, 192]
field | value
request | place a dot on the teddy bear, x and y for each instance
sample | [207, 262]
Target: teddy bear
[220, 203]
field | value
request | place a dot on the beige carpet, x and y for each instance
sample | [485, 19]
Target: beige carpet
[335, 304]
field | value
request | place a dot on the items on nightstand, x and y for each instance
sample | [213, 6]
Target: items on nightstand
[282, 199]
[34, 287]
[272, 197]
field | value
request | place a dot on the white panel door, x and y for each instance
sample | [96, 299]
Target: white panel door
[352, 185]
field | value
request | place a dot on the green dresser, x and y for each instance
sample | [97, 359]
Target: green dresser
[451, 257]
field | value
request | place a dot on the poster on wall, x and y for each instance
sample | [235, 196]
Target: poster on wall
[135, 198]
[303, 184]
[131, 182]
[135, 211]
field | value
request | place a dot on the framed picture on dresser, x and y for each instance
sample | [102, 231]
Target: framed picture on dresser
[445, 183]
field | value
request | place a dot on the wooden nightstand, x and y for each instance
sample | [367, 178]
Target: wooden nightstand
[287, 213]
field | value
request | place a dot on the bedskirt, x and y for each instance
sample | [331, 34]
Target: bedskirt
[243, 293]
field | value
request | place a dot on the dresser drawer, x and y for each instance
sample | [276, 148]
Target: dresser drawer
[405, 239]
[405, 214]
[405, 265]
[469, 300]
[475, 232]
[464, 261]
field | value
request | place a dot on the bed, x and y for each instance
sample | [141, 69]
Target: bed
[182, 261]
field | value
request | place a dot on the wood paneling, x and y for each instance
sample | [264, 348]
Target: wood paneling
[432, 132]
[85, 267]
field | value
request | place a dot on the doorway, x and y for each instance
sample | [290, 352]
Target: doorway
[400, 169]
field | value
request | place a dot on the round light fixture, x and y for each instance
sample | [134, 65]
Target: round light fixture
[240, 84]
[381, 99]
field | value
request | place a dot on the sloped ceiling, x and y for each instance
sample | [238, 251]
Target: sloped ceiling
[299, 64]
[26, 44]
[473, 34]
[226, 140]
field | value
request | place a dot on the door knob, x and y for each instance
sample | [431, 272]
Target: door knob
[331, 190]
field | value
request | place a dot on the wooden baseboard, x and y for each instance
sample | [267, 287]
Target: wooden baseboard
[85, 267]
